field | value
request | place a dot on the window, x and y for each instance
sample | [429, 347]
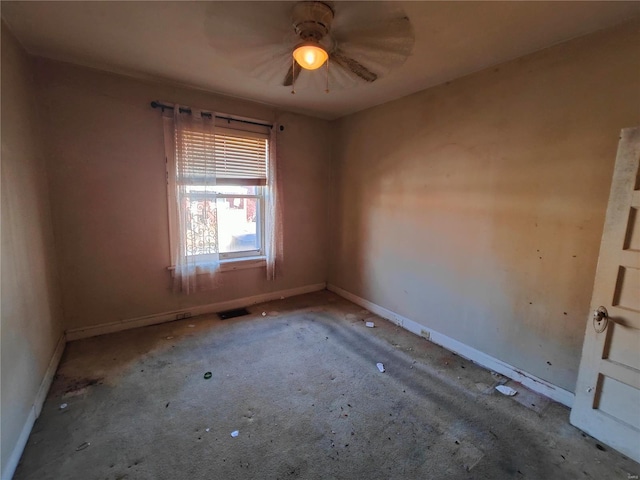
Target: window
[224, 196]
[238, 212]
[241, 221]
[221, 192]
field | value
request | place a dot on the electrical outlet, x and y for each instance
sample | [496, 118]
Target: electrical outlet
[425, 334]
[182, 315]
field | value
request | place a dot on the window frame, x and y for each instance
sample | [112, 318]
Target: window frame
[228, 260]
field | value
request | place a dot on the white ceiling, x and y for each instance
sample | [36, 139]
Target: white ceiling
[177, 41]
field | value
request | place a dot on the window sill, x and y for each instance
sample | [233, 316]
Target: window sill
[233, 264]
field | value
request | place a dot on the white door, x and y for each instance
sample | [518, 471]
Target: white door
[607, 403]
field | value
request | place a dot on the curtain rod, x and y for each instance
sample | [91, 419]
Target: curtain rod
[208, 114]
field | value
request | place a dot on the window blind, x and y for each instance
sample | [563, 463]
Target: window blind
[239, 158]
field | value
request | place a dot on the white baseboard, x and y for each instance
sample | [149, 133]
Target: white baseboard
[41, 396]
[35, 410]
[85, 332]
[532, 382]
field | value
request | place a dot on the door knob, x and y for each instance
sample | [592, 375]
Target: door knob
[600, 319]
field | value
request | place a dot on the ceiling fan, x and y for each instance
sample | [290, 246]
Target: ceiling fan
[282, 43]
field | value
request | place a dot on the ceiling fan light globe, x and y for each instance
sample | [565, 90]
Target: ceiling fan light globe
[310, 55]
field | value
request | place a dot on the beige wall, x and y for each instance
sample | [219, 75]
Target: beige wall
[107, 182]
[476, 208]
[31, 313]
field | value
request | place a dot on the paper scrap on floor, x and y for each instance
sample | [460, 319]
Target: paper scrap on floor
[506, 390]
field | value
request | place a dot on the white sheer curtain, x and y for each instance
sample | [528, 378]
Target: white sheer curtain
[196, 249]
[273, 223]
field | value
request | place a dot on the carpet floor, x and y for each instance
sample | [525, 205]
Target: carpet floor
[294, 392]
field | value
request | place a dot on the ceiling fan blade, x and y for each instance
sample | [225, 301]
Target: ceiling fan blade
[378, 35]
[391, 35]
[255, 38]
[354, 66]
[292, 74]
[238, 26]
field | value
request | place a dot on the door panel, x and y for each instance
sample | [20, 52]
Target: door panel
[622, 347]
[619, 400]
[627, 295]
[607, 403]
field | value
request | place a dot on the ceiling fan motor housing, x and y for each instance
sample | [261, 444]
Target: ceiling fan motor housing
[312, 20]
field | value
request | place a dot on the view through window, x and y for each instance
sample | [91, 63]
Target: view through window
[238, 212]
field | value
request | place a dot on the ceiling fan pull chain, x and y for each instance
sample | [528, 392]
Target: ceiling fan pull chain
[327, 90]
